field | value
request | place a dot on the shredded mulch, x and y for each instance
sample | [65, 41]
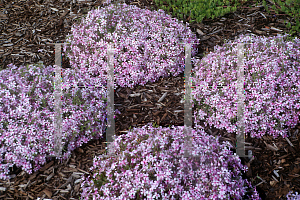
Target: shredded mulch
[27, 25]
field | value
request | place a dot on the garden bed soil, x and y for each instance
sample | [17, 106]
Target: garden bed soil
[27, 25]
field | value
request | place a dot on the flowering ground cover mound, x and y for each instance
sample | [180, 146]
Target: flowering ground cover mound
[27, 114]
[272, 85]
[149, 163]
[31, 189]
[146, 44]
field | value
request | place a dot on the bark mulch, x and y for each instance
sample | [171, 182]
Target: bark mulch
[27, 25]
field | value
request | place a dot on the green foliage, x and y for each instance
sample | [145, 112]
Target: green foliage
[155, 125]
[197, 10]
[101, 180]
[5, 124]
[130, 129]
[77, 98]
[290, 7]
[44, 103]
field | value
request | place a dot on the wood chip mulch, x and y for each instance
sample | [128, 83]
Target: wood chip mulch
[27, 25]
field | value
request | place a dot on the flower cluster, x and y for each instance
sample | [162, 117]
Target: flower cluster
[291, 196]
[27, 115]
[150, 163]
[272, 85]
[147, 44]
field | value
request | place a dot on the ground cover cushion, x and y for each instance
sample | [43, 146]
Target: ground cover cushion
[146, 44]
[163, 144]
[272, 86]
[26, 143]
[148, 163]
[27, 113]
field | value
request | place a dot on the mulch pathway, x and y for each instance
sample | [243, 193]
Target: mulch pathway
[27, 25]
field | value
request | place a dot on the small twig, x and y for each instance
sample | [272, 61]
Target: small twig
[287, 139]
[275, 172]
[263, 15]
[271, 147]
[258, 184]
[275, 178]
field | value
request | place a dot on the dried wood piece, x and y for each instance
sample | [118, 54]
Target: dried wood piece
[271, 147]
[275, 29]
[163, 97]
[287, 139]
[275, 172]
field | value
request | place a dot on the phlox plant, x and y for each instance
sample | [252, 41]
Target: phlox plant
[146, 44]
[27, 114]
[149, 163]
[271, 89]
